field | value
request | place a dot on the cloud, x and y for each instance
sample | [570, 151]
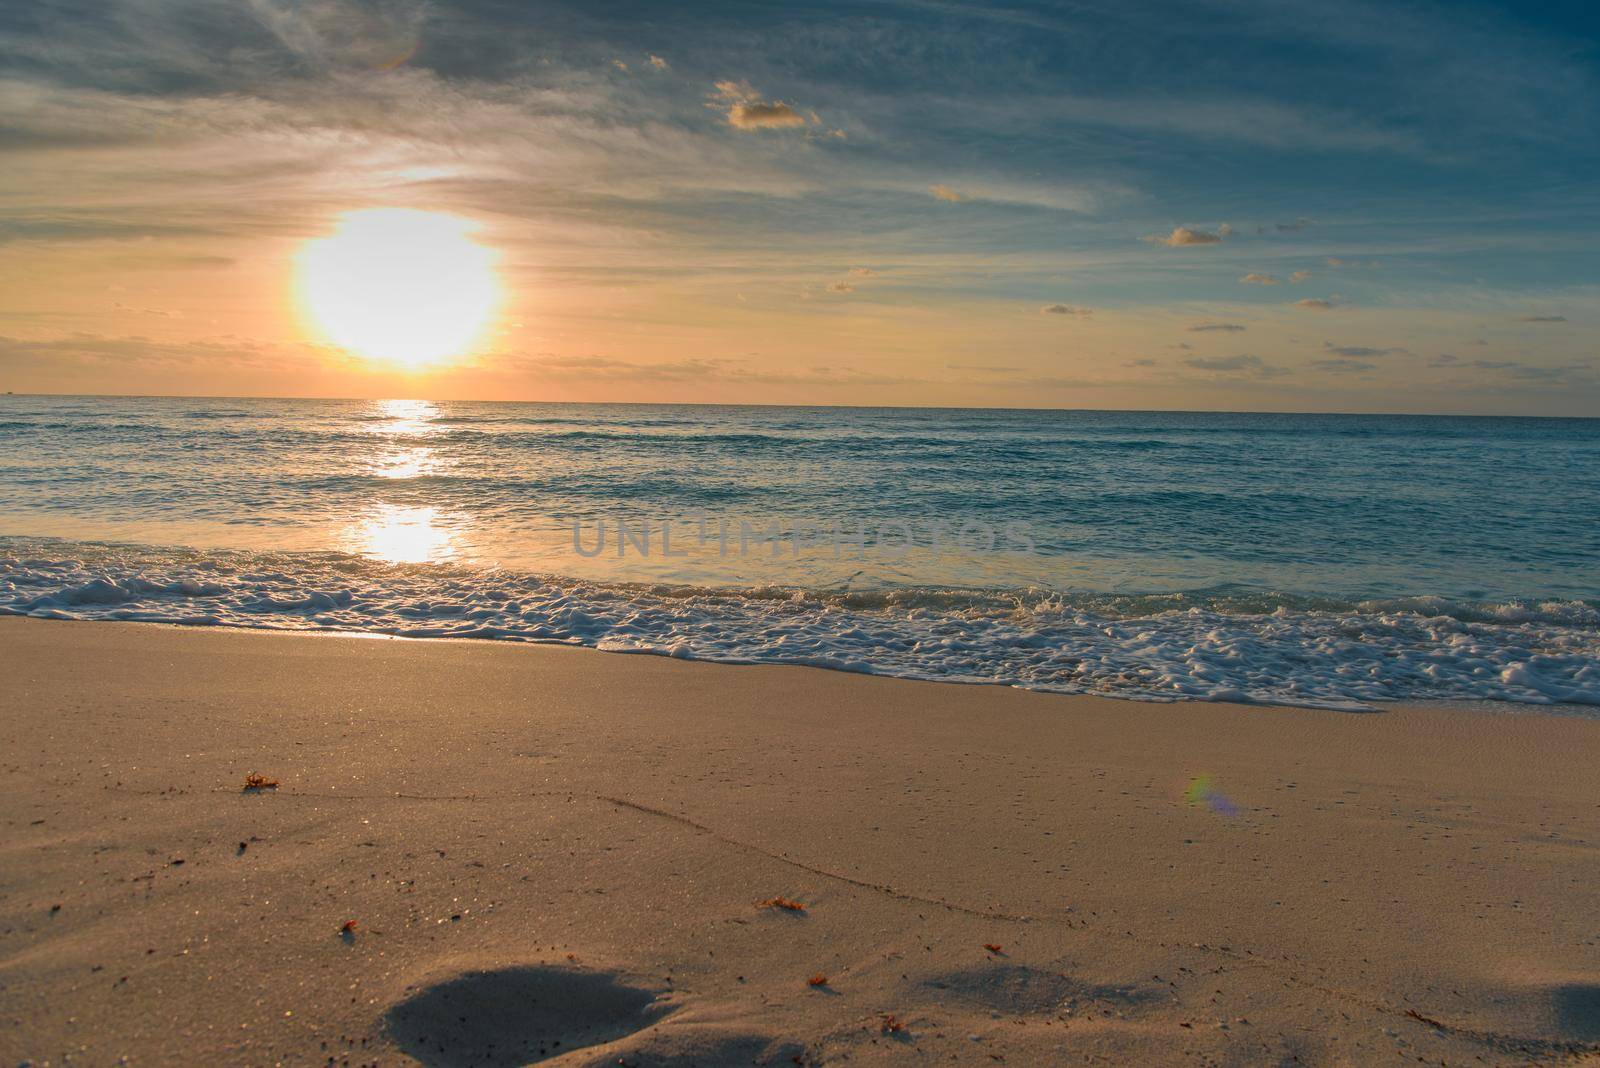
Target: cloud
[162, 313]
[1339, 367]
[1050, 195]
[1253, 278]
[658, 63]
[863, 272]
[747, 111]
[692, 369]
[840, 287]
[1299, 276]
[1571, 374]
[332, 35]
[1139, 363]
[1182, 236]
[1065, 309]
[1541, 318]
[1318, 303]
[1359, 351]
[764, 116]
[1567, 375]
[105, 363]
[1203, 328]
[1241, 364]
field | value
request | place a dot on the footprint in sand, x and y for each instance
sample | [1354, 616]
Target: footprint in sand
[1018, 990]
[517, 1016]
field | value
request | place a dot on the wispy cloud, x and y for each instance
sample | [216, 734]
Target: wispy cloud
[1343, 366]
[1359, 351]
[145, 135]
[1241, 364]
[1065, 309]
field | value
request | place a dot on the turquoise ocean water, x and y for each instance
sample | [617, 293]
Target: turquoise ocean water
[1328, 560]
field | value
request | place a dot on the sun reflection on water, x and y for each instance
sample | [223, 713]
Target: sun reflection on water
[403, 532]
[401, 535]
[410, 417]
[406, 463]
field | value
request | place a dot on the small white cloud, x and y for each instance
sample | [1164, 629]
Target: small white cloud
[840, 287]
[1257, 279]
[944, 192]
[1202, 328]
[1183, 236]
[658, 63]
[1318, 303]
[1066, 309]
[1299, 276]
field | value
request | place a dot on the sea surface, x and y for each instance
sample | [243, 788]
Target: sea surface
[1336, 561]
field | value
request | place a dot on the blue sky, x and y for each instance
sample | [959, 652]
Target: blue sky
[1392, 205]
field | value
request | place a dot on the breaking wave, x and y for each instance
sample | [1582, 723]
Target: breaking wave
[1224, 644]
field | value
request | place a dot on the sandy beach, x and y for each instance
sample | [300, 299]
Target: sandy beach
[492, 854]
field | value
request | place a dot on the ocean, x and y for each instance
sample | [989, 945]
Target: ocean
[1337, 561]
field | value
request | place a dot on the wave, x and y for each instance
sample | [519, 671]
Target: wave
[1226, 644]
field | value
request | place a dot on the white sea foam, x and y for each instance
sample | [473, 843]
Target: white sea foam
[1167, 647]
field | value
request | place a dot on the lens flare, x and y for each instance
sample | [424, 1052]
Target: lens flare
[1203, 790]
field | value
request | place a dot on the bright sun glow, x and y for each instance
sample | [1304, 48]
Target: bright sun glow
[394, 284]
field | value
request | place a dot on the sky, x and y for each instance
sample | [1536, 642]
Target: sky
[1239, 205]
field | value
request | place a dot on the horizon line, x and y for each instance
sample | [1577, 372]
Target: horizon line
[844, 407]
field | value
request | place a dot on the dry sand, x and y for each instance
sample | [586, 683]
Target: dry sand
[546, 845]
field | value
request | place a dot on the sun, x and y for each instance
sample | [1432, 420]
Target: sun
[399, 285]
